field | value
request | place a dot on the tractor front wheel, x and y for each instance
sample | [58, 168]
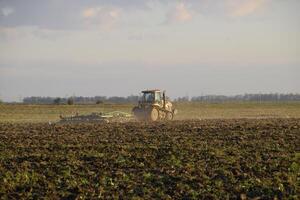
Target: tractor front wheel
[153, 114]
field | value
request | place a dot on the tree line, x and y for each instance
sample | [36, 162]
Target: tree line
[80, 100]
[245, 97]
[134, 99]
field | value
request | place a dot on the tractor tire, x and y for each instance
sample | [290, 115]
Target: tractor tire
[169, 116]
[153, 115]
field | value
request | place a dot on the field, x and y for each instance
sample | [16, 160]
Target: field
[45, 113]
[229, 153]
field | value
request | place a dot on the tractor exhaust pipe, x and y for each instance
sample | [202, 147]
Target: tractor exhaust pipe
[164, 99]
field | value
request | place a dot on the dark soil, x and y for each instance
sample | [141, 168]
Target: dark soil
[209, 159]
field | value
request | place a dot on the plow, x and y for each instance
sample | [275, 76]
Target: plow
[97, 117]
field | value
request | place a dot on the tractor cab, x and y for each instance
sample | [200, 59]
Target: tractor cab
[152, 96]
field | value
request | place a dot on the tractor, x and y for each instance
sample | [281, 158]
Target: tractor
[154, 106]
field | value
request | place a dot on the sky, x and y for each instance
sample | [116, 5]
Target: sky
[120, 47]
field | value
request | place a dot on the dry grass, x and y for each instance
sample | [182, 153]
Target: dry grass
[45, 113]
[238, 110]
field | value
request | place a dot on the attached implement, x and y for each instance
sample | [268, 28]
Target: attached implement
[154, 106]
[115, 116]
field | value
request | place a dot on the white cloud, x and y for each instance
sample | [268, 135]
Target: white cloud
[245, 7]
[105, 16]
[179, 14]
[89, 13]
[6, 11]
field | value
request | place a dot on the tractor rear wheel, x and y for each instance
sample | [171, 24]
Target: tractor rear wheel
[153, 114]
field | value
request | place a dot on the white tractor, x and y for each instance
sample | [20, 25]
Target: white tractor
[154, 106]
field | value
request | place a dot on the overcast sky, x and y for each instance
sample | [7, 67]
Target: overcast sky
[119, 47]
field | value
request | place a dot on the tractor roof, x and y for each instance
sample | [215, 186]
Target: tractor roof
[154, 90]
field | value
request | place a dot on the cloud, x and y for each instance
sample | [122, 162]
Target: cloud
[103, 11]
[64, 14]
[6, 11]
[104, 16]
[246, 7]
[179, 14]
[78, 14]
[88, 13]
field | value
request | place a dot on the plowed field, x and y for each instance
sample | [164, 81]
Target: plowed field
[168, 160]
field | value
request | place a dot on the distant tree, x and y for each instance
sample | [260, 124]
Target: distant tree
[57, 100]
[1, 101]
[70, 101]
[132, 99]
[99, 102]
[182, 99]
[116, 99]
[261, 97]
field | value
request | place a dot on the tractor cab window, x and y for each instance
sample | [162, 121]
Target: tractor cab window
[157, 96]
[148, 97]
